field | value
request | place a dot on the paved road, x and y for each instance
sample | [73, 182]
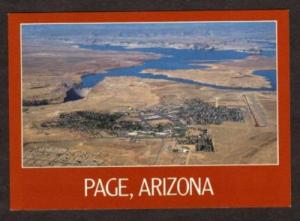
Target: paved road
[255, 111]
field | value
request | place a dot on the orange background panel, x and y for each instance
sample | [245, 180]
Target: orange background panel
[234, 186]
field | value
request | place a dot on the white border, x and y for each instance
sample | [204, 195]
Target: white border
[158, 166]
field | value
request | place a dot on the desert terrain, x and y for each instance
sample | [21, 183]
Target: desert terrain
[49, 71]
[234, 142]
[236, 73]
[146, 120]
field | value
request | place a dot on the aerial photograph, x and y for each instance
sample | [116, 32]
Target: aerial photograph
[149, 94]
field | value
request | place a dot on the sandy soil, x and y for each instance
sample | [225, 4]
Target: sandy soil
[48, 72]
[62, 147]
[236, 73]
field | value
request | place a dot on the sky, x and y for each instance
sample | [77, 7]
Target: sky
[266, 30]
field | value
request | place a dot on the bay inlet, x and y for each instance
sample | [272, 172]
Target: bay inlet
[171, 59]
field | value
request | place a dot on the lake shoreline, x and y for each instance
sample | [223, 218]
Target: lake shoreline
[168, 60]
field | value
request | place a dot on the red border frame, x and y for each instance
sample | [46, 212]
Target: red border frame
[234, 186]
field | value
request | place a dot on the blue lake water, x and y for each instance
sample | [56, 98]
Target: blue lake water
[173, 59]
[270, 75]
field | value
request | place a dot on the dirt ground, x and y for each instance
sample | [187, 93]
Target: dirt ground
[49, 71]
[235, 143]
[235, 73]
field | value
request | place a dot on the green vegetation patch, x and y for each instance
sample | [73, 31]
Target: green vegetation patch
[91, 121]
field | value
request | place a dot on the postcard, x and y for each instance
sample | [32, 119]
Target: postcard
[132, 110]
